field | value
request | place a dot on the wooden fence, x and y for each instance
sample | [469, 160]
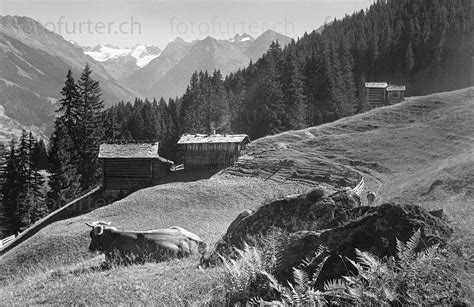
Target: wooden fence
[5, 242]
[90, 200]
[359, 188]
[283, 171]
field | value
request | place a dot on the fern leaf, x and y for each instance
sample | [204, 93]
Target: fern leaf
[391, 296]
[294, 295]
[428, 253]
[368, 260]
[401, 247]
[301, 278]
[335, 285]
[413, 242]
[318, 270]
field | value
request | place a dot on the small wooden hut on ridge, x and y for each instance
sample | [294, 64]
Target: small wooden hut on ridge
[212, 150]
[381, 93]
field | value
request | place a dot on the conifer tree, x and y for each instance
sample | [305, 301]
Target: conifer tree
[269, 101]
[69, 103]
[41, 155]
[64, 181]
[63, 155]
[294, 96]
[90, 129]
[410, 59]
[219, 110]
[362, 104]
[11, 191]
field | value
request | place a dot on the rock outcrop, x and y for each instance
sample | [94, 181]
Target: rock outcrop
[337, 222]
[311, 211]
[373, 229]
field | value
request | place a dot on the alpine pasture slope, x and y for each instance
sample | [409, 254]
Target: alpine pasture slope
[420, 151]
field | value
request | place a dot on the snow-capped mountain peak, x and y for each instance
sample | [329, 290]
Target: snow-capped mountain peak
[241, 38]
[143, 54]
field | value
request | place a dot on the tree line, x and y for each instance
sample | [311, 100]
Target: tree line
[424, 44]
[23, 186]
[71, 158]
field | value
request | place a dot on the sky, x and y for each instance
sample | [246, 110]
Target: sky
[157, 22]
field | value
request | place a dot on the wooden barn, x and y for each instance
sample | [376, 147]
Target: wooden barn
[212, 150]
[381, 93]
[395, 93]
[127, 167]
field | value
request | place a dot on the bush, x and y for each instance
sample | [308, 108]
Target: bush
[431, 276]
[246, 277]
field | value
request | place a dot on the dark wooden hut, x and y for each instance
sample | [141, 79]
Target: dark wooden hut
[395, 93]
[212, 150]
[381, 93]
[127, 167]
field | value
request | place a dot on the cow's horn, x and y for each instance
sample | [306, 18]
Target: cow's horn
[98, 230]
[90, 225]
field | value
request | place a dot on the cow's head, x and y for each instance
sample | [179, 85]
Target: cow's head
[98, 235]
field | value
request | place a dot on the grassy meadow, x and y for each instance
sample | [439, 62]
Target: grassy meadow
[420, 151]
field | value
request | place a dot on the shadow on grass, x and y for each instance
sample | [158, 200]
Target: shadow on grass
[192, 175]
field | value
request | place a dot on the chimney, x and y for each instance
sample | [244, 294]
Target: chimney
[214, 131]
[156, 146]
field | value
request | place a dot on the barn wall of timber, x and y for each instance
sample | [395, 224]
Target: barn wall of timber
[160, 171]
[211, 154]
[395, 96]
[130, 174]
[376, 96]
[126, 174]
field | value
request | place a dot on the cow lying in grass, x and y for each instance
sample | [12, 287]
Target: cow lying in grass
[140, 246]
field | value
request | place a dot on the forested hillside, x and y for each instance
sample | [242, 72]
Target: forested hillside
[423, 44]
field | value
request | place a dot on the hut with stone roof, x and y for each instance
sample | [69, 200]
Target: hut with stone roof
[128, 167]
[212, 150]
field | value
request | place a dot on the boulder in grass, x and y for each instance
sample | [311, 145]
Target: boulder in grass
[375, 230]
[310, 211]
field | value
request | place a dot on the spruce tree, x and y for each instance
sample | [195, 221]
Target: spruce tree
[69, 104]
[268, 101]
[410, 59]
[362, 103]
[219, 109]
[293, 95]
[64, 181]
[90, 130]
[11, 191]
[63, 155]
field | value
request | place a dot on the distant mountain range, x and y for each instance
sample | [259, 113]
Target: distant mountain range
[155, 73]
[33, 67]
[169, 73]
[120, 62]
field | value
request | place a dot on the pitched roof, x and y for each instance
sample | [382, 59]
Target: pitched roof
[396, 88]
[130, 151]
[376, 84]
[213, 138]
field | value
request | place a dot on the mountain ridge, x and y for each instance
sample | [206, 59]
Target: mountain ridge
[207, 54]
[120, 62]
[33, 69]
